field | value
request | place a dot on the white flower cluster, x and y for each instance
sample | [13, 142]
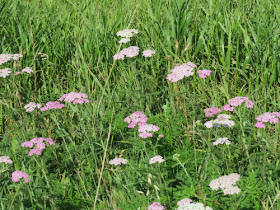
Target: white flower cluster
[5, 159]
[118, 161]
[222, 141]
[5, 72]
[31, 106]
[126, 34]
[226, 184]
[156, 159]
[194, 206]
[7, 57]
[222, 119]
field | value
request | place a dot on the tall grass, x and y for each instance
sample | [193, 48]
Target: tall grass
[237, 40]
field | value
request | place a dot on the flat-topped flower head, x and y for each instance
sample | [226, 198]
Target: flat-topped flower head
[75, 98]
[156, 159]
[52, 105]
[135, 118]
[227, 107]
[222, 120]
[124, 40]
[5, 72]
[148, 53]
[127, 33]
[194, 206]
[144, 127]
[184, 202]
[237, 101]
[209, 112]
[7, 57]
[222, 141]
[156, 206]
[226, 183]
[129, 52]
[40, 145]
[31, 106]
[17, 175]
[179, 72]
[203, 73]
[27, 70]
[270, 117]
[5, 159]
[118, 161]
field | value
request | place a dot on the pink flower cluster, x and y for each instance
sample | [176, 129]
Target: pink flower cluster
[143, 128]
[31, 106]
[5, 159]
[271, 117]
[148, 53]
[156, 159]
[203, 73]
[156, 206]
[52, 105]
[237, 101]
[184, 202]
[26, 70]
[75, 98]
[40, 145]
[118, 161]
[129, 52]
[209, 112]
[179, 72]
[17, 175]
[226, 184]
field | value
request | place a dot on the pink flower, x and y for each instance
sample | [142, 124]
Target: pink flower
[271, 117]
[145, 135]
[129, 52]
[179, 72]
[17, 73]
[40, 145]
[227, 107]
[160, 135]
[17, 175]
[75, 98]
[118, 161]
[148, 53]
[5, 159]
[226, 184]
[237, 101]
[156, 206]
[156, 159]
[260, 125]
[27, 70]
[203, 73]
[184, 202]
[7, 57]
[52, 105]
[135, 118]
[209, 112]
[144, 127]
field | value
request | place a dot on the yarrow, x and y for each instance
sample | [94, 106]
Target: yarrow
[179, 72]
[17, 175]
[226, 184]
[148, 53]
[118, 161]
[127, 33]
[156, 206]
[222, 141]
[75, 98]
[194, 206]
[52, 105]
[7, 57]
[156, 159]
[222, 119]
[31, 106]
[5, 159]
[40, 145]
[124, 40]
[184, 202]
[203, 73]
[271, 117]
[237, 101]
[146, 129]
[5, 72]
[129, 52]
[160, 135]
[135, 118]
[209, 112]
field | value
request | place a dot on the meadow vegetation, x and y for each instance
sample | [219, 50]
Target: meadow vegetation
[70, 44]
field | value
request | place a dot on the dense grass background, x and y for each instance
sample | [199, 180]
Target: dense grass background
[237, 40]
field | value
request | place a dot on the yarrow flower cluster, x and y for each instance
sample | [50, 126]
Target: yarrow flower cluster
[5, 72]
[40, 145]
[17, 175]
[222, 141]
[148, 53]
[52, 105]
[184, 201]
[135, 118]
[237, 101]
[7, 57]
[271, 117]
[31, 106]
[145, 130]
[156, 159]
[179, 72]
[209, 112]
[222, 119]
[129, 52]
[203, 73]
[25, 70]
[194, 206]
[156, 206]
[118, 161]
[5, 159]
[226, 184]
[75, 98]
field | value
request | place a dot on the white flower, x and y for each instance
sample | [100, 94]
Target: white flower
[5, 159]
[194, 206]
[148, 53]
[124, 40]
[226, 183]
[5, 72]
[156, 159]
[127, 33]
[221, 141]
